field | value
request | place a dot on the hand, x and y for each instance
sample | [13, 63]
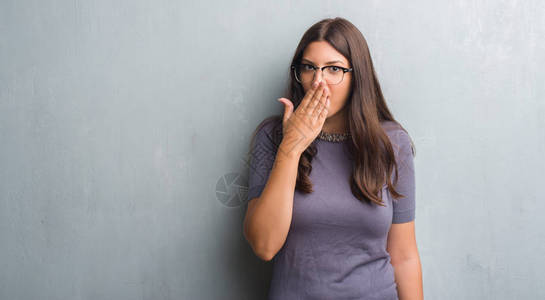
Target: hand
[301, 127]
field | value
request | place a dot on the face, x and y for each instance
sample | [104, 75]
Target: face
[318, 54]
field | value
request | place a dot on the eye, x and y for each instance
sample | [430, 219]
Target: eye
[334, 69]
[307, 67]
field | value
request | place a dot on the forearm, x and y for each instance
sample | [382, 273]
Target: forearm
[269, 223]
[408, 277]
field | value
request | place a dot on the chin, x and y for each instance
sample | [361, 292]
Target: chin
[332, 112]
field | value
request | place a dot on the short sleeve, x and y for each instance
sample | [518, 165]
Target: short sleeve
[262, 155]
[404, 207]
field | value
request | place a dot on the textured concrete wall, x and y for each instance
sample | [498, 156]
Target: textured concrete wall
[120, 122]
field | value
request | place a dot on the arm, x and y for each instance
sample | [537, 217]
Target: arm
[268, 217]
[401, 243]
[406, 261]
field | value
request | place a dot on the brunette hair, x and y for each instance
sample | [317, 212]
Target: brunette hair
[370, 147]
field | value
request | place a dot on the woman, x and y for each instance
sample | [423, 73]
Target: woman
[331, 182]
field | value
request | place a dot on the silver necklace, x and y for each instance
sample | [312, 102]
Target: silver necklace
[333, 137]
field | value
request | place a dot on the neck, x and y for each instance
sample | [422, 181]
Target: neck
[336, 123]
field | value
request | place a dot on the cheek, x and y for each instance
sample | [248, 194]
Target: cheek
[339, 95]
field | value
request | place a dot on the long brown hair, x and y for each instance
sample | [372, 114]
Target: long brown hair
[370, 147]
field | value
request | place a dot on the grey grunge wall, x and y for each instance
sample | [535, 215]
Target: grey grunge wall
[124, 127]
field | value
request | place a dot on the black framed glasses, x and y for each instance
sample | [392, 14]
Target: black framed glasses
[305, 73]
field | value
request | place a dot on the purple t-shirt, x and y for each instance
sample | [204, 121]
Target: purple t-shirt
[336, 245]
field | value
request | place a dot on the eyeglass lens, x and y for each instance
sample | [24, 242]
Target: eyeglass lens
[305, 74]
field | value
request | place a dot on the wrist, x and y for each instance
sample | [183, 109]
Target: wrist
[288, 151]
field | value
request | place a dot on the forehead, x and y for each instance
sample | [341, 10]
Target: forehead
[321, 52]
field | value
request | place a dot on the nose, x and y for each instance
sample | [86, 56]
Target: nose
[318, 76]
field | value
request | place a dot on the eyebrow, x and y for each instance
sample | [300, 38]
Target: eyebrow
[327, 63]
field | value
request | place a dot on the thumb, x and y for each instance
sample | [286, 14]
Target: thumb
[288, 108]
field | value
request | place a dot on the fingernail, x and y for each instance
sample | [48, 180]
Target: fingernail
[315, 84]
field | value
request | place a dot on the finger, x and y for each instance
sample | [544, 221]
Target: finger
[316, 97]
[321, 102]
[312, 102]
[288, 108]
[317, 102]
[324, 111]
[308, 97]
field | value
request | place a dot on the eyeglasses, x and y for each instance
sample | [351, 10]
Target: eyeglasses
[304, 73]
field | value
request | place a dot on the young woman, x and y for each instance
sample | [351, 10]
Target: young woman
[332, 182]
